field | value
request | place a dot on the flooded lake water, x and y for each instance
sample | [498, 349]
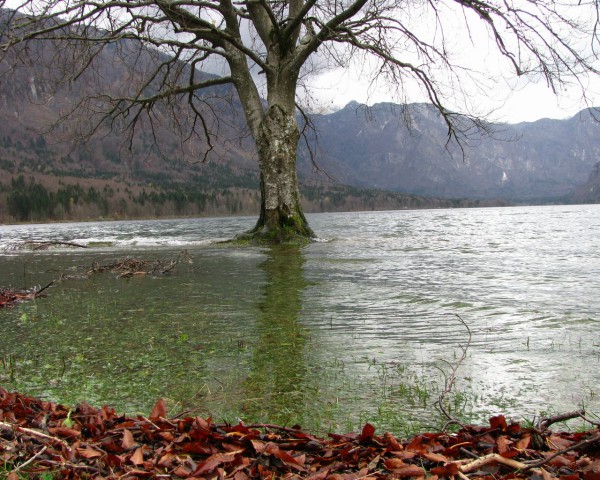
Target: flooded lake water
[362, 326]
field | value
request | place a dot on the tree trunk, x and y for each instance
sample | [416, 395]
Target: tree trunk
[281, 217]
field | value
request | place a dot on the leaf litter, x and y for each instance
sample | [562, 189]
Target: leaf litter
[40, 438]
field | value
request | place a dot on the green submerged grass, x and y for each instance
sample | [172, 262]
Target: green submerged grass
[392, 397]
[229, 340]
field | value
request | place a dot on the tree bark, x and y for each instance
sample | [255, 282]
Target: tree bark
[281, 218]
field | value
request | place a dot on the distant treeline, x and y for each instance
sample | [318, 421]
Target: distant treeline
[31, 201]
[46, 199]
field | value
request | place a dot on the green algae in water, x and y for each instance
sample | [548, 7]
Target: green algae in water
[259, 334]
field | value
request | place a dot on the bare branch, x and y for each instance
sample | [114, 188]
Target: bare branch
[450, 380]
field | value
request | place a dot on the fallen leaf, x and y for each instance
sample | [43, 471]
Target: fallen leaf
[448, 470]
[64, 432]
[367, 432]
[503, 443]
[159, 410]
[373, 463]
[89, 452]
[138, 457]
[182, 472]
[435, 457]
[198, 447]
[392, 443]
[404, 454]
[409, 471]
[136, 472]
[416, 445]
[212, 463]
[284, 457]
[167, 460]
[556, 442]
[259, 446]
[128, 443]
[498, 422]
[394, 463]
[523, 442]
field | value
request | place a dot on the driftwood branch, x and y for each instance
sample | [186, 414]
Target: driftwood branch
[134, 268]
[492, 458]
[35, 245]
[576, 446]
[450, 380]
[32, 459]
[524, 466]
[544, 423]
[9, 297]
[35, 433]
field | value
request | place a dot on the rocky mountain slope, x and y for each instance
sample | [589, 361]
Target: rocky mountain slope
[388, 147]
[537, 161]
[589, 192]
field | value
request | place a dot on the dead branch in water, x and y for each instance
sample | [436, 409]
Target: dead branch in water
[35, 245]
[133, 267]
[544, 423]
[450, 379]
[9, 296]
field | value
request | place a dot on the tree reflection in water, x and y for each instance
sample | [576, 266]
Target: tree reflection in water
[276, 387]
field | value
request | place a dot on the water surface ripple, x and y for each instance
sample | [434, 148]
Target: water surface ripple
[338, 331]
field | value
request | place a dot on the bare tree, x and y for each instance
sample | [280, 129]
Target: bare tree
[267, 47]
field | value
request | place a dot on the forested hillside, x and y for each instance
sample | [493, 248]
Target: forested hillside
[51, 168]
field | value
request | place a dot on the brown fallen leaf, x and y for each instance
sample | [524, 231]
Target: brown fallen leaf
[394, 463]
[138, 457]
[88, 452]
[435, 457]
[212, 463]
[128, 443]
[159, 410]
[448, 470]
[409, 471]
[64, 432]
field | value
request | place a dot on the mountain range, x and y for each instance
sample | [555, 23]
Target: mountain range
[542, 161]
[380, 157]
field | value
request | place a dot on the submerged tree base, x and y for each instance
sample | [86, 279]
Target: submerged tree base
[270, 237]
[276, 228]
[40, 439]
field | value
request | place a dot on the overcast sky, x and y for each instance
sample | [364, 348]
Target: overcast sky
[490, 88]
[495, 94]
[512, 103]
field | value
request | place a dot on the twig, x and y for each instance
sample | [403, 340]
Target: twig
[462, 475]
[30, 431]
[492, 458]
[73, 466]
[544, 423]
[42, 450]
[589, 420]
[43, 288]
[449, 381]
[46, 244]
[543, 461]
[468, 453]
[147, 420]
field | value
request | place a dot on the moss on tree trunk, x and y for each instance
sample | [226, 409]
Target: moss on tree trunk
[281, 217]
